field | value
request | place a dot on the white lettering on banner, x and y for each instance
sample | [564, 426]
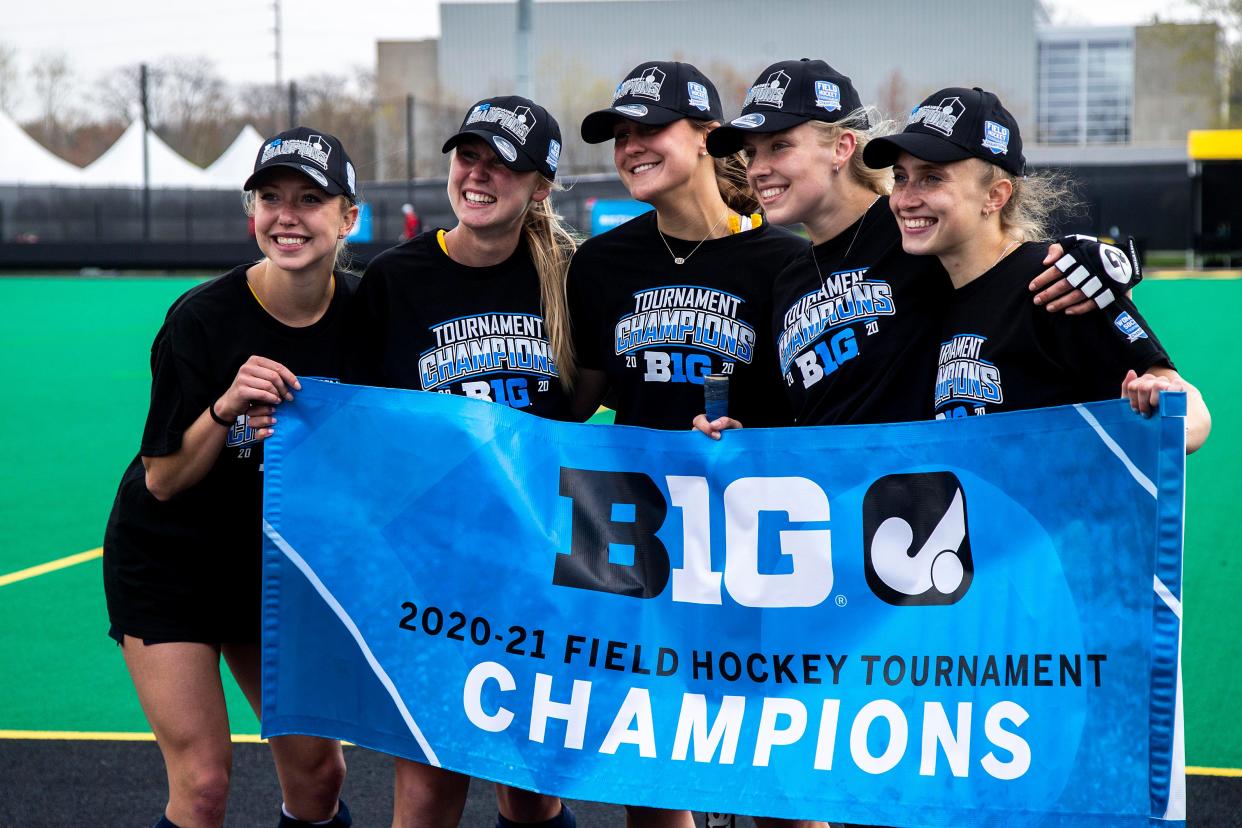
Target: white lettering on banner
[770, 735]
[636, 710]
[898, 735]
[694, 582]
[724, 732]
[573, 713]
[782, 722]
[1006, 740]
[956, 744]
[472, 697]
[809, 550]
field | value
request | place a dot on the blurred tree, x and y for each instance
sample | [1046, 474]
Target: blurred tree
[10, 92]
[191, 106]
[1228, 14]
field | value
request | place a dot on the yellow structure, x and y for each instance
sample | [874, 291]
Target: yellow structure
[1214, 144]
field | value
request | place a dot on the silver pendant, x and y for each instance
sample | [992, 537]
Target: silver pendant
[678, 260]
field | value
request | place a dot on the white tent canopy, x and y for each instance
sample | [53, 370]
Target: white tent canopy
[121, 165]
[23, 160]
[236, 163]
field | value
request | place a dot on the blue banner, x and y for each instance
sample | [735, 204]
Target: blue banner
[970, 622]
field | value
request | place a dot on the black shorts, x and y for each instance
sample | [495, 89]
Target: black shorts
[118, 635]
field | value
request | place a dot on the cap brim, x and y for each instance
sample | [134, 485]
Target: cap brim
[521, 162]
[883, 152]
[320, 180]
[598, 126]
[728, 139]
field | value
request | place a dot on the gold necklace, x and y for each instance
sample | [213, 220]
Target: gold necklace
[682, 259]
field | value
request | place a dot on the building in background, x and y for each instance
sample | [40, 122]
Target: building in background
[895, 52]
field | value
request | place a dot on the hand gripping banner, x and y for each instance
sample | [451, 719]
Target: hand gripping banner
[971, 622]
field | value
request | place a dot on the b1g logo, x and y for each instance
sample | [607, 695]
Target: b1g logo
[916, 545]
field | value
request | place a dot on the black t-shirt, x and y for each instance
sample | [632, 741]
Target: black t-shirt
[1000, 352]
[189, 568]
[425, 322]
[855, 344]
[656, 328]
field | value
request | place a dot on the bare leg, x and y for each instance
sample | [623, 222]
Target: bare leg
[311, 770]
[525, 806]
[427, 797]
[637, 816]
[179, 687]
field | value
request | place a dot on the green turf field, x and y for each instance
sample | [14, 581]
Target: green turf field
[75, 357]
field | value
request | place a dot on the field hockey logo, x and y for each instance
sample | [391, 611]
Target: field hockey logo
[917, 548]
[942, 117]
[754, 119]
[698, 95]
[315, 174]
[995, 137]
[506, 150]
[554, 154]
[827, 95]
[769, 93]
[1131, 329]
[646, 85]
[313, 149]
[517, 122]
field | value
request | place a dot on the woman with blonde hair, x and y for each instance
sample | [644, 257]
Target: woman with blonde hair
[182, 553]
[496, 278]
[854, 314]
[704, 254]
[961, 193]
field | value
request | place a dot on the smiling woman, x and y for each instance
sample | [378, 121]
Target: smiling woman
[182, 547]
[477, 310]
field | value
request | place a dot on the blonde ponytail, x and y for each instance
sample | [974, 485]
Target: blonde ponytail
[551, 246]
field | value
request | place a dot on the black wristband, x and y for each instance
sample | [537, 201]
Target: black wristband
[220, 420]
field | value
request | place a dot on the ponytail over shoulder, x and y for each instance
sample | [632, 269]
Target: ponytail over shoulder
[551, 246]
[731, 177]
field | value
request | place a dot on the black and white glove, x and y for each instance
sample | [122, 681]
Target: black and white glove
[1101, 271]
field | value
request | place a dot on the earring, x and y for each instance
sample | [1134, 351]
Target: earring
[986, 212]
[702, 152]
[836, 168]
[340, 235]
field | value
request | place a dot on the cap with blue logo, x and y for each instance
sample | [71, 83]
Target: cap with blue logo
[312, 152]
[656, 92]
[784, 95]
[951, 125]
[522, 133]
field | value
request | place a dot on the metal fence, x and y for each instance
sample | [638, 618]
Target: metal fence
[1153, 203]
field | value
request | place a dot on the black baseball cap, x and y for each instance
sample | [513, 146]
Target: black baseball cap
[524, 135]
[784, 95]
[951, 125]
[656, 92]
[312, 152]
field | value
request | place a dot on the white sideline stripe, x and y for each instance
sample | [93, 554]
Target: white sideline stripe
[1116, 449]
[331, 601]
[1167, 596]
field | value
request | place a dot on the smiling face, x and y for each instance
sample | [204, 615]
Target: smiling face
[939, 206]
[297, 224]
[487, 196]
[791, 173]
[658, 162]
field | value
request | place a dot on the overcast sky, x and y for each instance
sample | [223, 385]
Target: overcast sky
[318, 35]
